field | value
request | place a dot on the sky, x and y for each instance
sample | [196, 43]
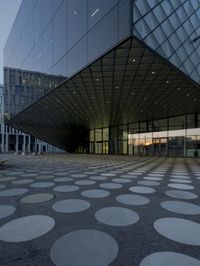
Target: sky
[8, 12]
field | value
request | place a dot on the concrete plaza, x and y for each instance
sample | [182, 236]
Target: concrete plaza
[90, 210]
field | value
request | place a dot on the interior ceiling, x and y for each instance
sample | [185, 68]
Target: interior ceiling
[128, 84]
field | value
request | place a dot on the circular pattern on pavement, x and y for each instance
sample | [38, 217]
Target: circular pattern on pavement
[26, 228]
[180, 230]
[85, 182]
[116, 216]
[29, 175]
[37, 198]
[78, 175]
[42, 184]
[148, 183]
[110, 185]
[2, 186]
[166, 258]
[98, 178]
[71, 205]
[14, 173]
[95, 193]
[22, 181]
[129, 176]
[121, 180]
[44, 177]
[7, 179]
[13, 192]
[151, 178]
[182, 181]
[178, 194]
[108, 174]
[63, 179]
[180, 176]
[157, 175]
[66, 188]
[181, 207]
[180, 186]
[85, 248]
[144, 190]
[132, 199]
[6, 210]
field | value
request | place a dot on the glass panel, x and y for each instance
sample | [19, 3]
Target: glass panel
[191, 146]
[77, 57]
[103, 36]
[98, 147]
[105, 133]
[191, 121]
[98, 134]
[97, 9]
[77, 20]
[59, 35]
[105, 147]
[122, 132]
[177, 122]
[92, 135]
[160, 125]
[176, 146]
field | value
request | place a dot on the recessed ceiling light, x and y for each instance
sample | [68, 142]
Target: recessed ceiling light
[93, 97]
[167, 81]
[74, 92]
[133, 60]
[187, 94]
[75, 12]
[132, 93]
[145, 98]
[152, 72]
[116, 87]
[195, 99]
[178, 89]
[94, 13]
[155, 102]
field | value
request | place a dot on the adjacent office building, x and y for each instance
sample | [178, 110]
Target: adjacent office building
[109, 77]
[15, 141]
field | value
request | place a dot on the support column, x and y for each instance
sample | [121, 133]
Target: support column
[24, 145]
[29, 144]
[17, 144]
[39, 148]
[6, 143]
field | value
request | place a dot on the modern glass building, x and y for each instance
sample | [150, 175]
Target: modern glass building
[107, 77]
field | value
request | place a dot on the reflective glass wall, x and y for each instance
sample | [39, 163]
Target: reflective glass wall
[56, 39]
[59, 37]
[176, 136]
[171, 28]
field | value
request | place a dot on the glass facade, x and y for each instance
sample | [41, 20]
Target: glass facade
[59, 37]
[177, 136]
[115, 68]
[170, 28]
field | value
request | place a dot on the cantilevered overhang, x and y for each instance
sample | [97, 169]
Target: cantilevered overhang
[128, 84]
